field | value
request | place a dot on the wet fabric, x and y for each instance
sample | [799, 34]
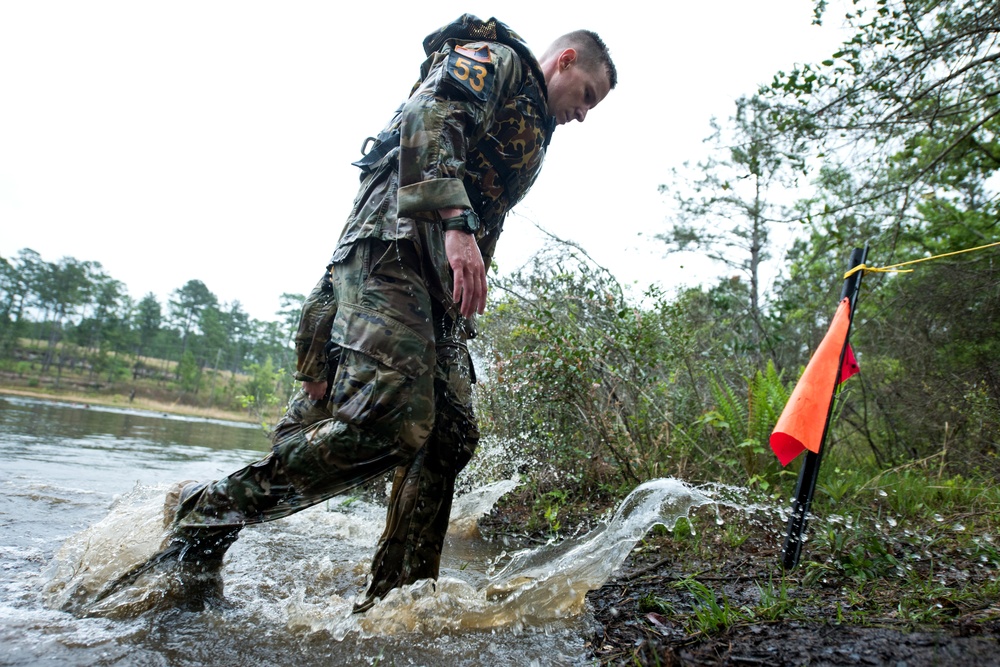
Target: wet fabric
[381, 326]
[454, 151]
[422, 491]
[380, 407]
[395, 399]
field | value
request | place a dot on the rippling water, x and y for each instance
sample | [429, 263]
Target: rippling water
[83, 492]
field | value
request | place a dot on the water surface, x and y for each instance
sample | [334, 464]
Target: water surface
[90, 479]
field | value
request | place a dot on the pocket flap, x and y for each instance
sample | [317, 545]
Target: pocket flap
[382, 338]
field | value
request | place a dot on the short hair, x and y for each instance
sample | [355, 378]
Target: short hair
[591, 51]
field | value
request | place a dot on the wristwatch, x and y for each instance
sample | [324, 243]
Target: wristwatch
[466, 221]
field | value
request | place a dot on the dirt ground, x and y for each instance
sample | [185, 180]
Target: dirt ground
[805, 644]
[645, 617]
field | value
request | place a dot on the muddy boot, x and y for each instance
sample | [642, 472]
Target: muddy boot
[201, 550]
[376, 591]
[177, 494]
[187, 575]
[195, 562]
[190, 557]
[196, 547]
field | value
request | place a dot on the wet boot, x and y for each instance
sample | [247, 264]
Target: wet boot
[193, 557]
[199, 550]
[199, 547]
[364, 605]
[177, 494]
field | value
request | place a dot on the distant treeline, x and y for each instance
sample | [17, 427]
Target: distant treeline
[70, 306]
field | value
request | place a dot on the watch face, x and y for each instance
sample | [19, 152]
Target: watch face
[471, 221]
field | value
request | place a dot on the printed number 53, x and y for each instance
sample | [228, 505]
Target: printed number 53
[462, 72]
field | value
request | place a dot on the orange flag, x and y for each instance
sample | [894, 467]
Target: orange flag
[850, 366]
[801, 424]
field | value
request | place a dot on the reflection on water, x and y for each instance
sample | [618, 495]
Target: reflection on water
[84, 501]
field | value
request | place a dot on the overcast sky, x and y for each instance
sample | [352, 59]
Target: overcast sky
[212, 140]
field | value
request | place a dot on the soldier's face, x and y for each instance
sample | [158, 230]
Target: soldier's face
[574, 90]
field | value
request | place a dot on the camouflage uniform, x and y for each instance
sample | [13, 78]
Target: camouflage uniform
[381, 326]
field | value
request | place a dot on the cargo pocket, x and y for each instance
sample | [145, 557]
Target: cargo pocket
[380, 358]
[454, 370]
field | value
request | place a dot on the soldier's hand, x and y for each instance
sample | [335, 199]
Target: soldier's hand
[468, 270]
[315, 390]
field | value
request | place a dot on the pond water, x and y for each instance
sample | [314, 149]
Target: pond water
[84, 486]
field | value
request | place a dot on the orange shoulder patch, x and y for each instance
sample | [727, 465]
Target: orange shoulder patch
[477, 51]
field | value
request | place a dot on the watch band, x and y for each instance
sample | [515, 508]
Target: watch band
[466, 221]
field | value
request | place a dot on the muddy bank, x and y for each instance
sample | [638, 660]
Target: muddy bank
[632, 637]
[171, 407]
[792, 644]
[666, 609]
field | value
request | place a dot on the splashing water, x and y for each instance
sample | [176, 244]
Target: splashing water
[87, 562]
[468, 508]
[538, 588]
[289, 584]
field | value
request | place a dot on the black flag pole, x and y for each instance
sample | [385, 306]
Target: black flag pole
[806, 485]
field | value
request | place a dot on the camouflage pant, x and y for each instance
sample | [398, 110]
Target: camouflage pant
[400, 395]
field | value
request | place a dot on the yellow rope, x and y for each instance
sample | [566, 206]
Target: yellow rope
[894, 268]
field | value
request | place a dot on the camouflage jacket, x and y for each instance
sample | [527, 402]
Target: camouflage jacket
[472, 134]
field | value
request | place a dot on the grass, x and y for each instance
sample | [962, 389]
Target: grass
[910, 548]
[710, 610]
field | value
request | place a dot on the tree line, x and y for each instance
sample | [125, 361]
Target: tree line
[72, 305]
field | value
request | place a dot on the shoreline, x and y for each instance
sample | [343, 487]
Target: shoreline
[137, 404]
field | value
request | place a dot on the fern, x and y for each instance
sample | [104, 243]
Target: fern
[747, 421]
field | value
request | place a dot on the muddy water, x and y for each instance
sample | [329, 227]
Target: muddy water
[81, 501]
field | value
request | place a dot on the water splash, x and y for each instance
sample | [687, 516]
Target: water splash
[469, 507]
[80, 572]
[543, 588]
[539, 588]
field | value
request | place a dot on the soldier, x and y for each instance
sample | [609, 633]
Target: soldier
[386, 375]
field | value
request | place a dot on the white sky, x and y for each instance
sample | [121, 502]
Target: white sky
[212, 140]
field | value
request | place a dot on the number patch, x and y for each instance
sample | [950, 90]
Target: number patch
[471, 72]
